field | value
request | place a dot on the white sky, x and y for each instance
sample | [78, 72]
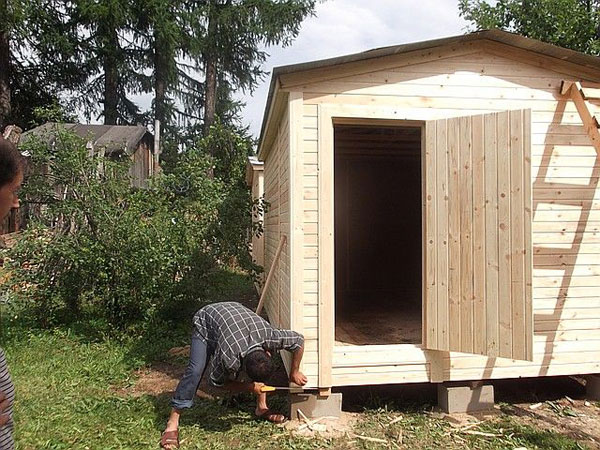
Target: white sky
[342, 27]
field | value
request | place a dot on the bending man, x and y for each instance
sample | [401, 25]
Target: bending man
[229, 338]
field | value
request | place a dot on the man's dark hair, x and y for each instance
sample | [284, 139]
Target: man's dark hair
[11, 162]
[259, 366]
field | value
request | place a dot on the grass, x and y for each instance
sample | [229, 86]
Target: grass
[71, 394]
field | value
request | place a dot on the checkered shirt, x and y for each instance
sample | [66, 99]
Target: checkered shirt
[231, 331]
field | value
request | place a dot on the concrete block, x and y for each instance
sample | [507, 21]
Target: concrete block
[465, 398]
[314, 405]
[592, 387]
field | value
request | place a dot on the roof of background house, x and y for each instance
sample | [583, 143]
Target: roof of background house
[114, 138]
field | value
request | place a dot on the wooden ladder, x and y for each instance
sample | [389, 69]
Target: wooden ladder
[566, 258]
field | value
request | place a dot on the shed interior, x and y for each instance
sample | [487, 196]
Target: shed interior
[378, 239]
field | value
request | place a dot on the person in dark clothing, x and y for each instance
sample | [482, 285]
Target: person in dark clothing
[11, 177]
[227, 339]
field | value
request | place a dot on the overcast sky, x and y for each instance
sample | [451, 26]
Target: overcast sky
[342, 27]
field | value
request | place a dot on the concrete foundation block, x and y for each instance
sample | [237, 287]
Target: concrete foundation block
[465, 398]
[314, 405]
[592, 387]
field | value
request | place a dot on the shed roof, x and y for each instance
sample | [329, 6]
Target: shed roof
[503, 37]
[114, 138]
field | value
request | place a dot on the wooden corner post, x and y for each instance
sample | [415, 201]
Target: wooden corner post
[326, 322]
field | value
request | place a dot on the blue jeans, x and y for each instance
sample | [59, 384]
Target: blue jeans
[188, 385]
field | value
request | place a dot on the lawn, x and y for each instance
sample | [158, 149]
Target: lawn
[74, 391]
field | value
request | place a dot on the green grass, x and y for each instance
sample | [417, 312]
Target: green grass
[418, 430]
[71, 394]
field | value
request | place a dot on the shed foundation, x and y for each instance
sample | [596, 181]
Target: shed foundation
[313, 405]
[465, 398]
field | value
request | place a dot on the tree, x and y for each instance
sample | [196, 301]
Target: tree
[5, 105]
[573, 24]
[235, 31]
[111, 60]
[37, 59]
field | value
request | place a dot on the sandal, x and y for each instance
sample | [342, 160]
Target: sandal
[272, 417]
[170, 438]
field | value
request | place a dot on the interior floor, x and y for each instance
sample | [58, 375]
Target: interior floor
[378, 323]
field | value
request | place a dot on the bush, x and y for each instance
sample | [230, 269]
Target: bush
[97, 245]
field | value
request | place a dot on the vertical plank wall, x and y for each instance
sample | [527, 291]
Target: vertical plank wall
[565, 216]
[477, 235]
[277, 224]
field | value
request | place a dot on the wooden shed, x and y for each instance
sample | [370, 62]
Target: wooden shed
[440, 207]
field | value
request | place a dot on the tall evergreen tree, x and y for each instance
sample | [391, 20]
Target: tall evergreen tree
[112, 61]
[5, 66]
[573, 24]
[227, 41]
[37, 58]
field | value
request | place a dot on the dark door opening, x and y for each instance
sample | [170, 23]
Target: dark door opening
[378, 240]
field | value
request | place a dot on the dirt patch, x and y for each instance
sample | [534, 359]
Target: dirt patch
[162, 379]
[326, 427]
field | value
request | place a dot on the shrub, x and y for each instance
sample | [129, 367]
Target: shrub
[97, 245]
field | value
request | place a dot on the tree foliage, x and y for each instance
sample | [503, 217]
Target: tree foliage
[573, 24]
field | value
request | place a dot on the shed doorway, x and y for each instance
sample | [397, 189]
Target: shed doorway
[378, 234]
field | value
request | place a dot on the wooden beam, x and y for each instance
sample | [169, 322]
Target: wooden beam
[270, 275]
[565, 86]
[296, 191]
[326, 283]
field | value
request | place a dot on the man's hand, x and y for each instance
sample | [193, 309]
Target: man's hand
[4, 405]
[298, 377]
[256, 388]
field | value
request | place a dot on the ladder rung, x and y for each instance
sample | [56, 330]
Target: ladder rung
[591, 93]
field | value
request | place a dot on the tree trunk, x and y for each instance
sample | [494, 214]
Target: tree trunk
[210, 95]
[5, 107]
[111, 79]
[210, 65]
[160, 79]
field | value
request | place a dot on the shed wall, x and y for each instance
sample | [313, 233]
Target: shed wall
[566, 216]
[277, 224]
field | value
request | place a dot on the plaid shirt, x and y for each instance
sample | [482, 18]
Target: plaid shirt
[231, 331]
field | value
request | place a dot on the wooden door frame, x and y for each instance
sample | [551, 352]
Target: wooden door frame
[330, 115]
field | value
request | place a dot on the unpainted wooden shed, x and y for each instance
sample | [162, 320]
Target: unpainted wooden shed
[441, 209]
